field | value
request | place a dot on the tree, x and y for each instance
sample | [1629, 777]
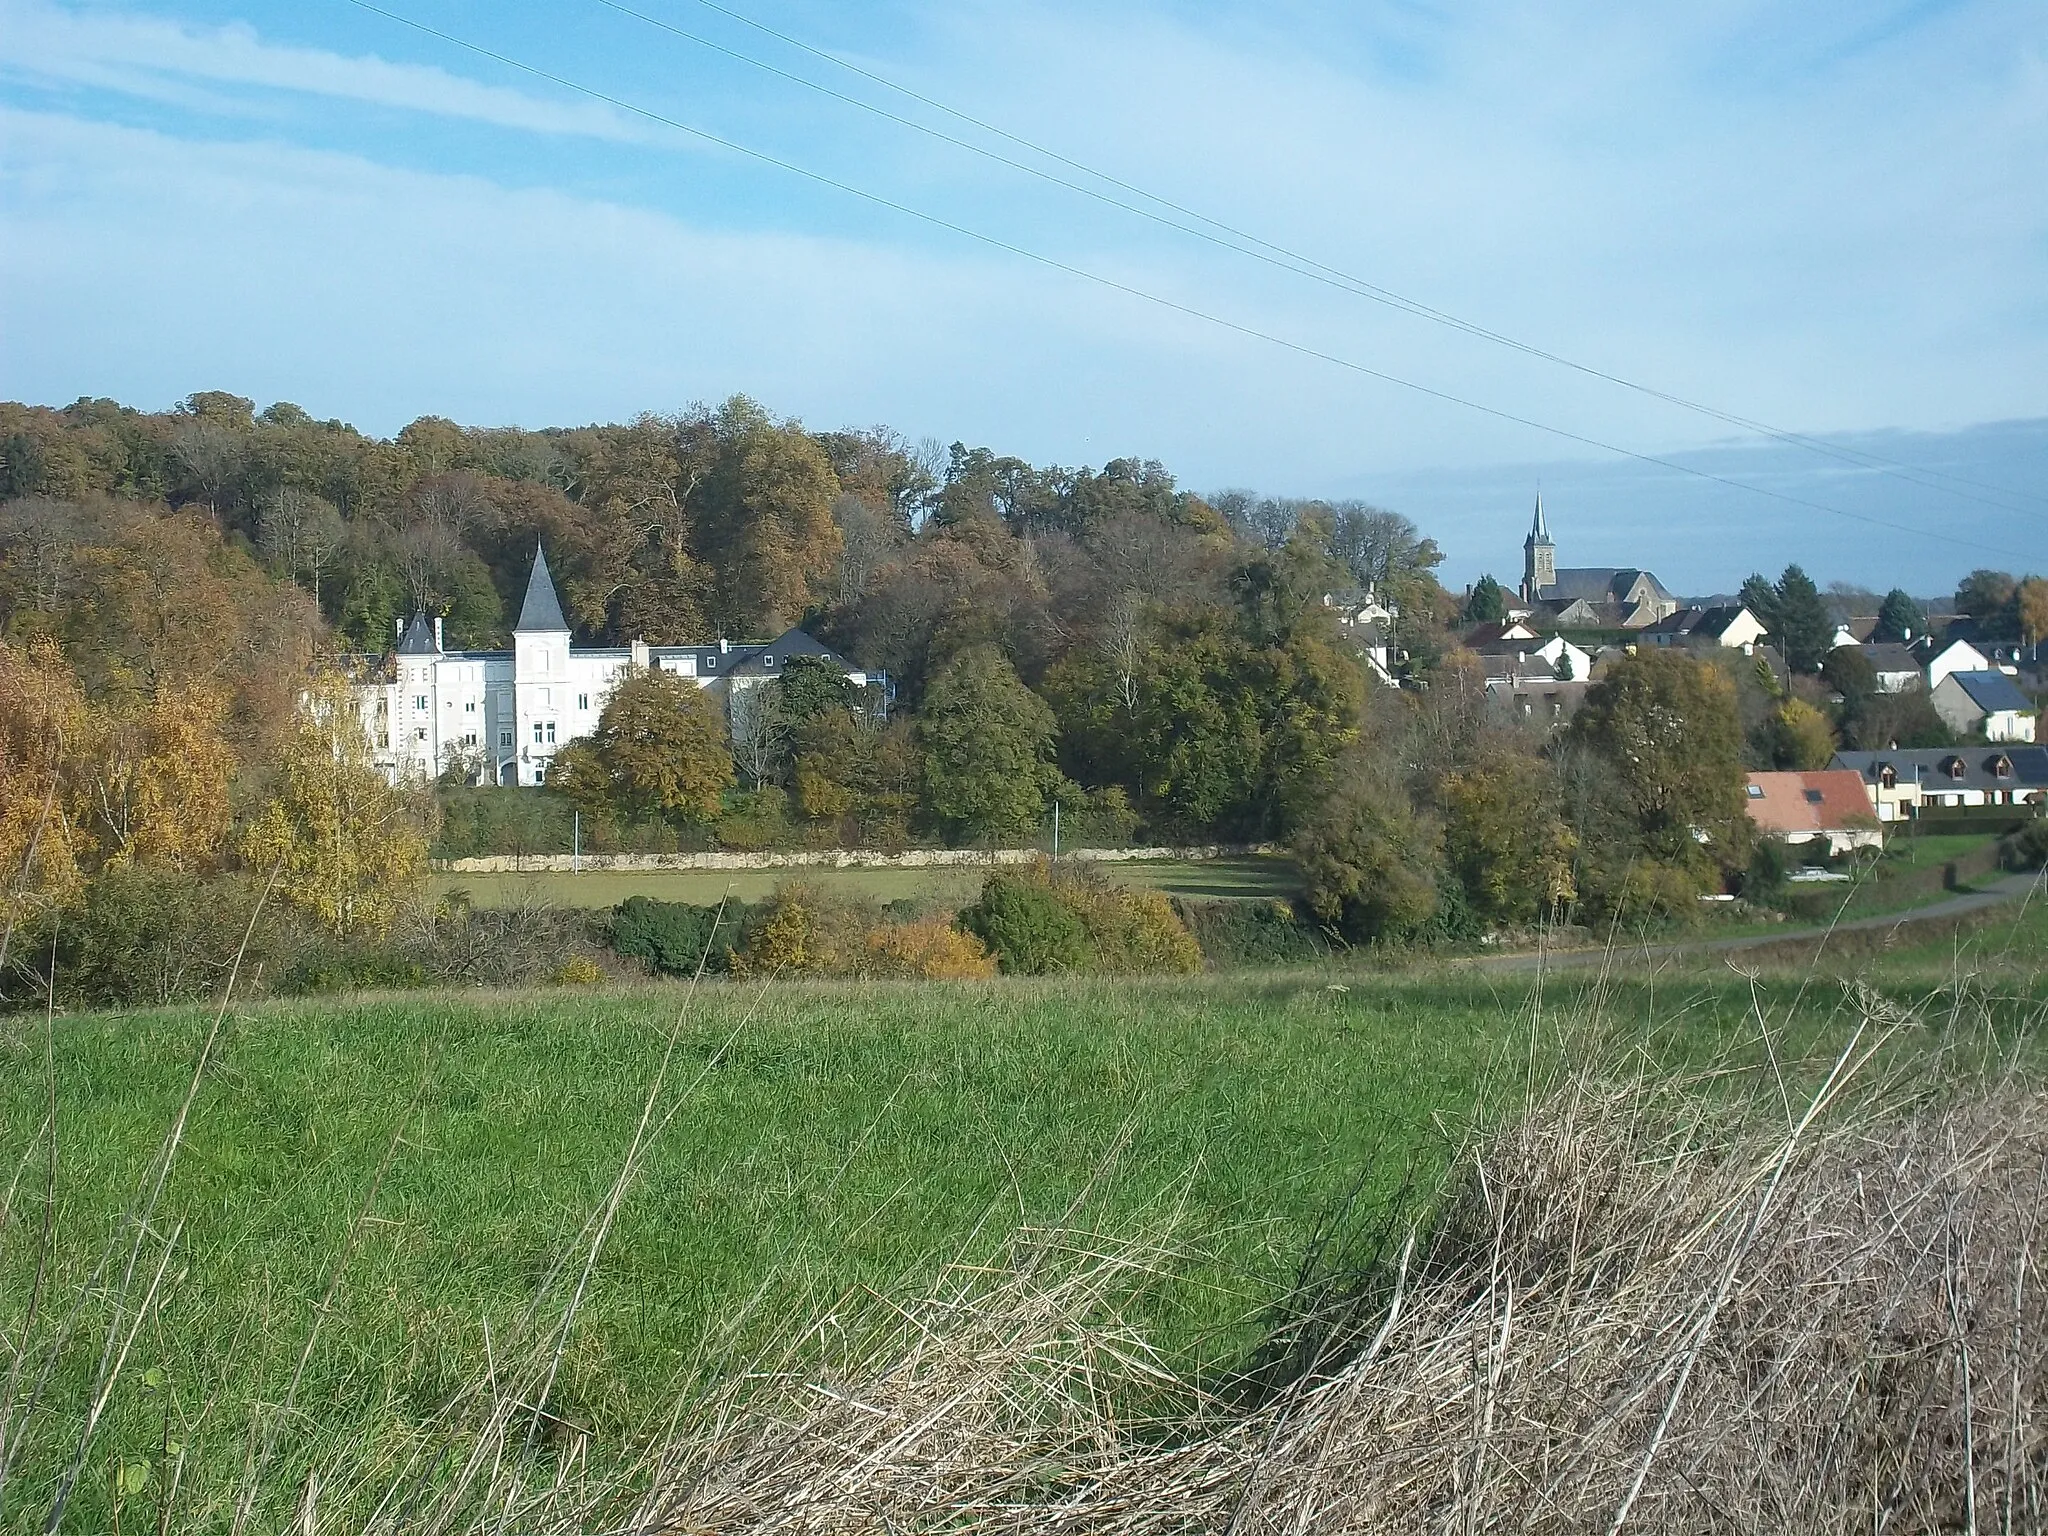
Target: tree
[1668, 725]
[1506, 840]
[1899, 619]
[299, 533]
[1849, 672]
[987, 743]
[1761, 599]
[1369, 860]
[760, 733]
[344, 845]
[1985, 595]
[660, 748]
[765, 522]
[1802, 628]
[2030, 600]
[1487, 603]
[42, 730]
[159, 779]
[1801, 737]
[811, 686]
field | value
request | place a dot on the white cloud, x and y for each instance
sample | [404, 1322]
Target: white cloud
[144, 55]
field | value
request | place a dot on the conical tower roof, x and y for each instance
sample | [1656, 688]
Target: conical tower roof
[419, 638]
[542, 610]
[1539, 530]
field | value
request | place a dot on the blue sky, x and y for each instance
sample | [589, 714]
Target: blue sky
[1831, 217]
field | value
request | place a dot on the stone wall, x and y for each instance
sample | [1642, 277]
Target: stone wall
[830, 858]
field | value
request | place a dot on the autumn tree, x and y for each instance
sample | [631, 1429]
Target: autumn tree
[1505, 838]
[1369, 860]
[1667, 724]
[987, 743]
[766, 522]
[343, 844]
[42, 734]
[660, 748]
[1801, 737]
[2030, 604]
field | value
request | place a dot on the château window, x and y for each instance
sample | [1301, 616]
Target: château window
[419, 701]
[536, 733]
[583, 701]
[504, 738]
[469, 706]
[420, 734]
[551, 733]
[469, 739]
[540, 773]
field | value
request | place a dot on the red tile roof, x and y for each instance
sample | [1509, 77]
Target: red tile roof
[1798, 804]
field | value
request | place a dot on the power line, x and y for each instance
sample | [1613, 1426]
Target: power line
[1055, 264]
[1280, 256]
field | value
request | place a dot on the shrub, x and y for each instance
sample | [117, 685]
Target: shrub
[803, 930]
[1026, 926]
[2026, 848]
[578, 971]
[1241, 933]
[758, 819]
[930, 949]
[1131, 931]
[673, 937]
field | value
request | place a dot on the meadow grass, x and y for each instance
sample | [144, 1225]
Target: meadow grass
[828, 1138]
[945, 887]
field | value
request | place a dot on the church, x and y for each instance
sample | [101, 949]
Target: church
[1587, 596]
[499, 717]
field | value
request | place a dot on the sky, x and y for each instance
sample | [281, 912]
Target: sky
[1831, 218]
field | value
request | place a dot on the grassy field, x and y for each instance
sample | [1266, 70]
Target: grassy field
[943, 887]
[825, 1137]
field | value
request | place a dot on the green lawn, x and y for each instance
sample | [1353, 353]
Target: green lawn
[826, 1137]
[1937, 848]
[944, 887]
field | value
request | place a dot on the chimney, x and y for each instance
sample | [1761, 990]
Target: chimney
[640, 657]
[398, 628]
[723, 645]
[437, 632]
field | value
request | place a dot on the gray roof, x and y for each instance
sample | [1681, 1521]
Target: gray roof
[1954, 768]
[542, 610]
[1595, 583]
[755, 658]
[419, 638]
[1884, 656]
[1992, 691]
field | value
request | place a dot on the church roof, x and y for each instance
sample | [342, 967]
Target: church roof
[419, 638]
[542, 610]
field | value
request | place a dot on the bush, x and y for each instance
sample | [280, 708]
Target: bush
[929, 949]
[1041, 920]
[578, 971]
[1246, 933]
[1030, 931]
[673, 938]
[756, 820]
[2026, 848]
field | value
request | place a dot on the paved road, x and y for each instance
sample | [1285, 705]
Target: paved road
[2006, 889]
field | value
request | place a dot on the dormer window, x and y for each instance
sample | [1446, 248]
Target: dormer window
[1888, 777]
[2001, 767]
[1956, 768]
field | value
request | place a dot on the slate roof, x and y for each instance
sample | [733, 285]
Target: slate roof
[419, 638]
[1935, 767]
[1800, 804]
[753, 658]
[542, 610]
[1886, 657]
[1992, 692]
[1596, 584]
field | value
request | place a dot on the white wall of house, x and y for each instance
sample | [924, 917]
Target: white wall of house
[1957, 656]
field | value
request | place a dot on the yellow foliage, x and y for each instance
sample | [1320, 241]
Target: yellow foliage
[931, 949]
[160, 779]
[346, 846]
[578, 971]
[43, 725]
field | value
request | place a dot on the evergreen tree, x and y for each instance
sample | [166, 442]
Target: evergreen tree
[1486, 603]
[1899, 619]
[1802, 627]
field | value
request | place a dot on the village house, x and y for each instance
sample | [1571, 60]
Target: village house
[1897, 667]
[1731, 626]
[1588, 597]
[1956, 656]
[1826, 806]
[1990, 702]
[1900, 783]
[499, 717]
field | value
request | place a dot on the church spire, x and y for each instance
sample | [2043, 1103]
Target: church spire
[542, 610]
[1539, 531]
[1539, 558]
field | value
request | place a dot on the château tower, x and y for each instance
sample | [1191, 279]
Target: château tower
[1539, 558]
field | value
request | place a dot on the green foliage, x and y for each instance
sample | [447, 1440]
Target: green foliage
[810, 687]
[1028, 928]
[1505, 839]
[1369, 859]
[2026, 848]
[1899, 619]
[1487, 603]
[1769, 863]
[987, 743]
[660, 748]
[756, 820]
[1802, 627]
[1236, 934]
[673, 938]
[1667, 725]
[1849, 672]
[1802, 739]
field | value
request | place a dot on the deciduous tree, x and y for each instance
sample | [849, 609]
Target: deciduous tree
[987, 742]
[660, 748]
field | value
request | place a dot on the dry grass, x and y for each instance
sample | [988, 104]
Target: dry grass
[1644, 1308]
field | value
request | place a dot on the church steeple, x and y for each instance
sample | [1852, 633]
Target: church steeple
[542, 610]
[1539, 558]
